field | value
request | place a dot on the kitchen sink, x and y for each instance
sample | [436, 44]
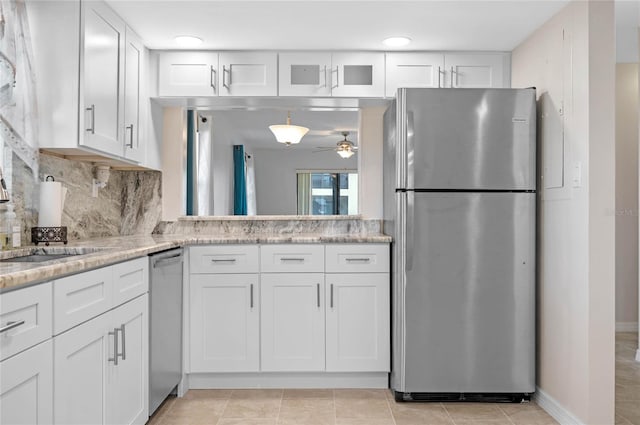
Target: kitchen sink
[36, 258]
[40, 255]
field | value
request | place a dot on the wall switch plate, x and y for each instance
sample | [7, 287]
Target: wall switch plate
[576, 181]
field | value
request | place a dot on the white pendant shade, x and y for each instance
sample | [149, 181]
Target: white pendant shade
[287, 133]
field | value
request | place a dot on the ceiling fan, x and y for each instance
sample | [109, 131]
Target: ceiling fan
[345, 148]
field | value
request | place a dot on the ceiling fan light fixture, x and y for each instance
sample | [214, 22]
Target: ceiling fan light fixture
[288, 134]
[345, 153]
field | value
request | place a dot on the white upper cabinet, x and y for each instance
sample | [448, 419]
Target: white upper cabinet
[413, 70]
[476, 70]
[357, 74]
[134, 70]
[89, 90]
[104, 38]
[425, 69]
[188, 74]
[304, 74]
[248, 74]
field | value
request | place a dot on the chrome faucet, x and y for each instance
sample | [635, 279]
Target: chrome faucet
[4, 193]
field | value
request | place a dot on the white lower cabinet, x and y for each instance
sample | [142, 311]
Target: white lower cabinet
[299, 309]
[292, 322]
[26, 387]
[357, 334]
[101, 368]
[225, 323]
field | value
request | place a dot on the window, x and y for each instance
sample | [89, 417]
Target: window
[327, 193]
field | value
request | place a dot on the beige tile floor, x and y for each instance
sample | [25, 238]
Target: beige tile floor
[334, 407]
[627, 379]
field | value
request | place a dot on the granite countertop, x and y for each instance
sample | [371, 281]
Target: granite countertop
[104, 251]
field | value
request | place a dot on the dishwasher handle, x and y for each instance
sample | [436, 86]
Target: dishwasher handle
[161, 262]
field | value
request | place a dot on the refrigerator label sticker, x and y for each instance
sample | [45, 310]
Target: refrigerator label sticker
[519, 120]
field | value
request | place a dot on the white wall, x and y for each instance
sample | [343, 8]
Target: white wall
[276, 180]
[370, 162]
[571, 61]
[174, 157]
[626, 196]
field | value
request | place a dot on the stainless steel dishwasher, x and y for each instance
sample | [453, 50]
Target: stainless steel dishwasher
[165, 325]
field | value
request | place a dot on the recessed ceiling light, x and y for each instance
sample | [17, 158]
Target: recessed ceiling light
[187, 41]
[396, 41]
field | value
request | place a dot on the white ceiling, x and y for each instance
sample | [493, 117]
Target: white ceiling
[337, 24]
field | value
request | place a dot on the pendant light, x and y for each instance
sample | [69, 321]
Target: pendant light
[288, 134]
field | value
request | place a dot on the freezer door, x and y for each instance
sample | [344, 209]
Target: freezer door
[467, 138]
[468, 309]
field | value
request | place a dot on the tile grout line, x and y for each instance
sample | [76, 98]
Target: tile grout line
[280, 407]
[226, 403]
[447, 412]
[505, 413]
[393, 417]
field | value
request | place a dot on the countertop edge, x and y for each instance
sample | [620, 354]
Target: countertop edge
[12, 280]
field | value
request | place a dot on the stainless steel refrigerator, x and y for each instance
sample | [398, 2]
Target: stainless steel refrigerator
[460, 202]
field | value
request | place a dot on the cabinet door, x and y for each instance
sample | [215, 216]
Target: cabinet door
[292, 322]
[480, 70]
[81, 366]
[357, 74]
[413, 70]
[248, 74]
[188, 74]
[225, 323]
[134, 49]
[130, 381]
[358, 322]
[104, 35]
[304, 74]
[26, 387]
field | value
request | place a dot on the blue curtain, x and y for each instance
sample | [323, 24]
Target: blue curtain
[239, 181]
[190, 161]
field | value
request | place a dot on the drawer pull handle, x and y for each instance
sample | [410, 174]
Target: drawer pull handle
[332, 295]
[11, 325]
[114, 359]
[318, 293]
[252, 295]
[124, 347]
[291, 259]
[358, 260]
[223, 260]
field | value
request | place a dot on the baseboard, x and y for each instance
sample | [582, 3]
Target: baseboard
[555, 409]
[626, 326]
[288, 380]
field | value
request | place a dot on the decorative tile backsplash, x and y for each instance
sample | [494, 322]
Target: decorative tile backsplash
[130, 203]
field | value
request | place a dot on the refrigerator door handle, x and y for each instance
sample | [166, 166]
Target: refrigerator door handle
[408, 236]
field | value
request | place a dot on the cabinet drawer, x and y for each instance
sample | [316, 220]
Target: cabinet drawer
[80, 297]
[224, 259]
[292, 258]
[358, 258]
[33, 306]
[130, 279]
